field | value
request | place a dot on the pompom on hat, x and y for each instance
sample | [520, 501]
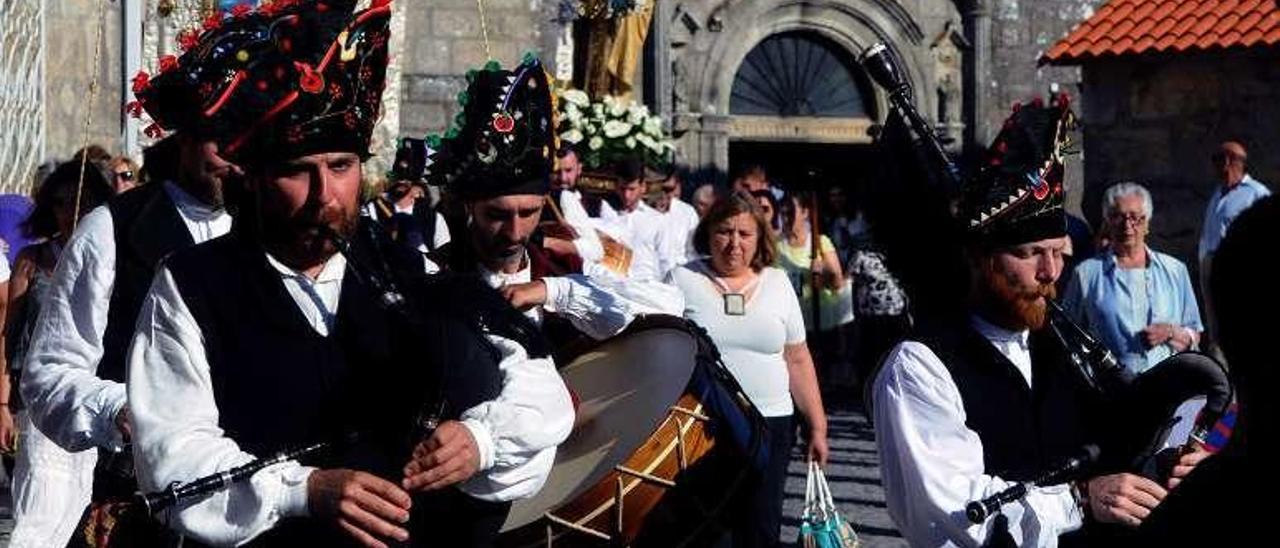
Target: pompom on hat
[291, 78]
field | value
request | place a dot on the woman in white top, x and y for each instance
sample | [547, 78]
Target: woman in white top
[751, 312]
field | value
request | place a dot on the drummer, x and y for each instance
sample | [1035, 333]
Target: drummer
[753, 316]
[504, 188]
[267, 339]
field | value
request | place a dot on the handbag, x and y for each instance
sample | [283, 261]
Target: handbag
[821, 525]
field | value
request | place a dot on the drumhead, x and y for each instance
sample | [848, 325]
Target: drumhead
[626, 387]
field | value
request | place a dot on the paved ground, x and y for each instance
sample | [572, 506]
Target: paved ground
[853, 472]
[6, 510]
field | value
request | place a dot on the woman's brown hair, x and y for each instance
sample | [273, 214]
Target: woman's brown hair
[732, 206]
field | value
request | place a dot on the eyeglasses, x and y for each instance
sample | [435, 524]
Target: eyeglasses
[1135, 218]
[124, 175]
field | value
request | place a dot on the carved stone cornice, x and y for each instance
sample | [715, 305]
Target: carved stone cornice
[800, 129]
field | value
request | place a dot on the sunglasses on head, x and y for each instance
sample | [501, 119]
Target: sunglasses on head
[124, 175]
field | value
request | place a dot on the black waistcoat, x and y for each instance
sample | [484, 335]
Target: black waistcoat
[147, 228]
[1024, 432]
[279, 384]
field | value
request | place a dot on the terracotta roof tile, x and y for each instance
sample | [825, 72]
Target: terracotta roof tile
[1132, 27]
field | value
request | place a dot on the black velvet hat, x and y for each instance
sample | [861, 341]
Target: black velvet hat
[1017, 195]
[291, 78]
[505, 139]
[411, 161]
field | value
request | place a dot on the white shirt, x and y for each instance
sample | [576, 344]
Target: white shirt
[931, 464]
[177, 437]
[641, 230]
[440, 236]
[587, 243]
[678, 224]
[63, 393]
[572, 209]
[752, 344]
[597, 302]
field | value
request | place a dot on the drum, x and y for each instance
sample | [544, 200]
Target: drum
[664, 440]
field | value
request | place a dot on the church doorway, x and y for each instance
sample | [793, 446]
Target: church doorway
[801, 102]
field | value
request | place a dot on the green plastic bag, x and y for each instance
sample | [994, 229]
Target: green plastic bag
[821, 525]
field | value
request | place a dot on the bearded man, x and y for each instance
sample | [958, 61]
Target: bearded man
[976, 400]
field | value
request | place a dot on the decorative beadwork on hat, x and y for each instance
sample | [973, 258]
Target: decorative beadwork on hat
[1017, 195]
[291, 78]
[503, 138]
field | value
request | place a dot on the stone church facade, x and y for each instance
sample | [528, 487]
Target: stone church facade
[966, 60]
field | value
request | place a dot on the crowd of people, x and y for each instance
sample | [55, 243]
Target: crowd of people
[242, 292]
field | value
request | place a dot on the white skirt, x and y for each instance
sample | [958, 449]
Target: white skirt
[51, 488]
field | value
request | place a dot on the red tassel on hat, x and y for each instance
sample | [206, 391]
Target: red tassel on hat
[212, 22]
[188, 39]
[140, 81]
[168, 63]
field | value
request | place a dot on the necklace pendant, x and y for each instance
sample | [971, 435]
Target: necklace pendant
[735, 304]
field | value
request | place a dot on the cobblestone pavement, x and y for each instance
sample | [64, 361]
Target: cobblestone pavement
[853, 471]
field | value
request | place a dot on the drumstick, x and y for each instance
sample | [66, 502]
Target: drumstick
[381, 203]
[555, 210]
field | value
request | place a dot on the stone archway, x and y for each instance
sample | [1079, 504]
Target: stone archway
[713, 38]
[799, 87]
[801, 102]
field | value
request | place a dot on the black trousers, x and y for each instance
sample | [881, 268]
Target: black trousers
[760, 517]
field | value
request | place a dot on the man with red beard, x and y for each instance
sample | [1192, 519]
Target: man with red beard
[268, 339]
[975, 401]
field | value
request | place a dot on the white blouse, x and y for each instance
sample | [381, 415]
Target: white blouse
[751, 344]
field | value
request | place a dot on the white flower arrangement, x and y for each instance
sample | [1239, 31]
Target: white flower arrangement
[612, 130]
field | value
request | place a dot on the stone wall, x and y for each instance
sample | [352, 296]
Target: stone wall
[1157, 120]
[444, 40]
[1021, 31]
[69, 69]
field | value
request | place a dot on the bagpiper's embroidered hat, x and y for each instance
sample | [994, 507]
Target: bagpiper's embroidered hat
[291, 78]
[504, 140]
[1017, 195]
[411, 161]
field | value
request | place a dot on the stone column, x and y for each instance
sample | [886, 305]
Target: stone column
[131, 37]
[661, 70]
[713, 144]
[977, 28]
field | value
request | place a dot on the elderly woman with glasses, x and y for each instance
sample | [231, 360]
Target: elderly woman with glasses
[1139, 301]
[751, 312]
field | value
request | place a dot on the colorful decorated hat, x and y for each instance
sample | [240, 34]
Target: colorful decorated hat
[291, 78]
[411, 161]
[504, 141]
[1017, 195]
